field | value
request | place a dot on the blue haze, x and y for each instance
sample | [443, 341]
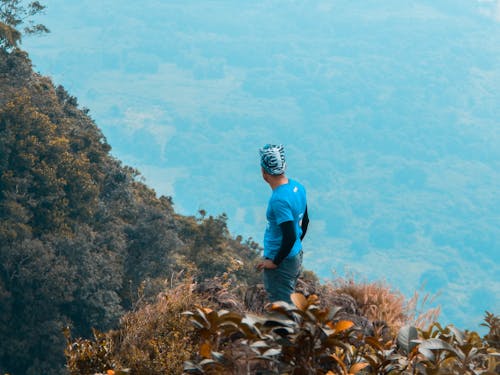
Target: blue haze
[389, 112]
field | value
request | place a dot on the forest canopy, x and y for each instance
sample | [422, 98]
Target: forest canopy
[80, 234]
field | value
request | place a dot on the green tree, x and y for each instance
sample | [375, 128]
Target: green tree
[40, 284]
[81, 238]
[17, 14]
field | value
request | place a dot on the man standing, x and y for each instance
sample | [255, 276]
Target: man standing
[287, 222]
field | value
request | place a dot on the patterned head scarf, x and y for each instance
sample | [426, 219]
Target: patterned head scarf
[272, 159]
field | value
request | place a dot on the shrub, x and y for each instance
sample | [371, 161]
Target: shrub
[294, 339]
[86, 357]
[380, 303]
[157, 339]
[154, 339]
[308, 339]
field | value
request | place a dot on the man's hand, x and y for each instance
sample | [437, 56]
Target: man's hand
[266, 264]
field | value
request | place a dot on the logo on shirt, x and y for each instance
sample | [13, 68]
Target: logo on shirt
[295, 189]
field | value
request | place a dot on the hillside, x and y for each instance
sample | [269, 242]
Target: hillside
[80, 233]
[388, 110]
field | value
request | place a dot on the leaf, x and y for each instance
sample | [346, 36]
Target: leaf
[373, 342]
[278, 322]
[230, 316]
[201, 318]
[207, 362]
[191, 368]
[333, 311]
[259, 345]
[312, 299]
[219, 357]
[272, 352]
[405, 339]
[206, 310]
[281, 308]
[437, 344]
[299, 301]
[340, 326]
[205, 350]
[197, 324]
[459, 335]
[448, 362]
[340, 362]
[427, 354]
[357, 367]
[283, 331]
[249, 328]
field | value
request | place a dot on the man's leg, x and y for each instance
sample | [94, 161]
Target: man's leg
[280, 282]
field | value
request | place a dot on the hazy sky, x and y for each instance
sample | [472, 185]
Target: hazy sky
[389, 112]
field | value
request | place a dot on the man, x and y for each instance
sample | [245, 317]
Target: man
[287, 222]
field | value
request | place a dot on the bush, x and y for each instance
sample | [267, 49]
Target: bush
[155, 339]
[378, 302]
[308, 339]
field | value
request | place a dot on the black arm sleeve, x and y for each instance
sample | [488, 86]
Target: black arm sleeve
[287, 242]
[305, 223]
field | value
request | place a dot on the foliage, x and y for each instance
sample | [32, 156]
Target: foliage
[13, 15]
[380, 303]
[451, 351]
[157, 339]
[9, 37]
[208, 248]
[154, 339]
[492, 322]
[79, 233]
[86, 357]
[307, 339]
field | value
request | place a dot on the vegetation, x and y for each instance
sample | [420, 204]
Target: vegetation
[155, 339]
[79, 233]
[13, 15]
[186, 331]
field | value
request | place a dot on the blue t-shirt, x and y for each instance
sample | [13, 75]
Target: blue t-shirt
[287, 203]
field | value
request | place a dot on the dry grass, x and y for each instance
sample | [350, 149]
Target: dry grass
[380, 303]
[417, 312]
[157, 338]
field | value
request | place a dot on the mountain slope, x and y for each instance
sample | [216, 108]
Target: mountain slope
[80, 234]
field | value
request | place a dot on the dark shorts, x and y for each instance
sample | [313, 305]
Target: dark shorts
[280, 282]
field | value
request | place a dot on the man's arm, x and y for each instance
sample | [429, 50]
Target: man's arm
[289, 238]
[304, 225]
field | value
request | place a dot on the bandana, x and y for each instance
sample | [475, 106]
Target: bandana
[272, 159]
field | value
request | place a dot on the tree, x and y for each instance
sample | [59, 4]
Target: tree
[15, 14]
[81, 238]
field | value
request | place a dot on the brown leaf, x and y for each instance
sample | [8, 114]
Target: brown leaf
[340, 362]
[355, 368]
[205, 350]
[341, 325]
[206, 310]
[278, 306]
[312, 299]
[299, 301]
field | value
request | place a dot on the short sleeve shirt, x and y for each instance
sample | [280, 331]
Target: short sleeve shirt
[287, 203]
